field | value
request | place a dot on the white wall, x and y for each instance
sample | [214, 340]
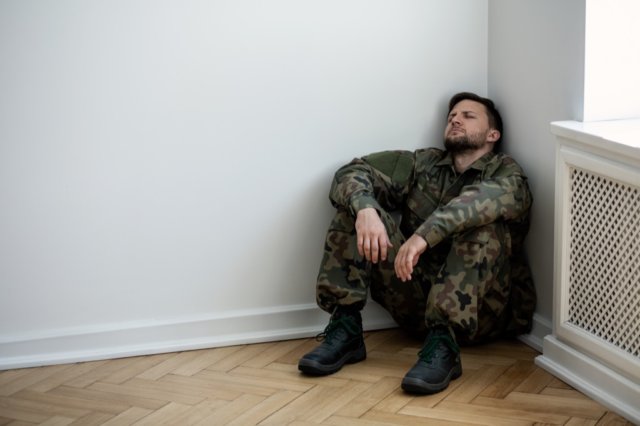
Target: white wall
[536, 75]
[164, 165]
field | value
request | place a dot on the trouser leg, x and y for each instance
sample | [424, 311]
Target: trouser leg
[345, 277]
[406, 301]
[471, 291]
[344, 274]
[464, 282]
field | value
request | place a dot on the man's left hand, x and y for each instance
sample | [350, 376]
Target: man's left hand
[408, 256]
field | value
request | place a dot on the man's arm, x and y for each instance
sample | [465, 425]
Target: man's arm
[505, 197]
[367, 186]
[380, 180]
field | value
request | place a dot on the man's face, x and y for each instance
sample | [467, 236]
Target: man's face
[468, 127]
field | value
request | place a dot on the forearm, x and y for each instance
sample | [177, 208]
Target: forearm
[380, 181]
[503, 199]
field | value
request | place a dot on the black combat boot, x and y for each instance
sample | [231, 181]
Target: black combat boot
[343, 343]
[438, 364]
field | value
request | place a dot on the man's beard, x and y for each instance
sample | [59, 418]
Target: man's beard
[463, 143]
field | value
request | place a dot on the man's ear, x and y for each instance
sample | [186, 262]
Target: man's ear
[493, 135]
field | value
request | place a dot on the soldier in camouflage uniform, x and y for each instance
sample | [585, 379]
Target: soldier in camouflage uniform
[437, 238]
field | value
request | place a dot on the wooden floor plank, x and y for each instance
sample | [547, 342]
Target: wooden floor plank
[579, 421]
[149, 389]
[38, 408]
[565, 393]
[550, 404]
[272, 353]
[240, 356]
[135, 367]
[65, 375]
[33, 376]
[465, 416]
[293, 382]
[91, 394]
[374, 395]
[239, 383]
[393, 402]
[93, 419]
[203, 359]
[381, 340]
[264, 409]
[168, 365]
[535, 382]
[311, 405]
[199, 412]
[73, 403]
[409, 420]
[57, 421]
[200, 387]
[16, 409]
[128, 417]
[476, 382]
[506, 413]
[101, 372]
[164, 416]
[261, 384]
[506, 382]
[226, 413]
[612, 419]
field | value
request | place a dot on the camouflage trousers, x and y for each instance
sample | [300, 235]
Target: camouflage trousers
[463, 282]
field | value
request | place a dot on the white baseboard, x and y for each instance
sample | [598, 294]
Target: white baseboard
[541, 328]
[592, 378]
[152, 337]
[181, 334]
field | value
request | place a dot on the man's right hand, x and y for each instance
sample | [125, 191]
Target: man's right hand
[373, 241]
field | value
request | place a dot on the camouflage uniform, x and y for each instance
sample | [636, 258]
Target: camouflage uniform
[473, 275]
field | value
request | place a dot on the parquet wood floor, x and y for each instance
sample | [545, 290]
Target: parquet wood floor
[260, 384]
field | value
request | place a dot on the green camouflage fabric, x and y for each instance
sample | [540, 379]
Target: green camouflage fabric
[474, 276]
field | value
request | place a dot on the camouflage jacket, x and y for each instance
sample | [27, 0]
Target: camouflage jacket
[436, 202]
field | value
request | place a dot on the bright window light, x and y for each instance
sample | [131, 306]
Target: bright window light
[612, 60]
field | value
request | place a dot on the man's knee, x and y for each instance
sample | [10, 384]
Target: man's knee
[480, 249]
[472, 288]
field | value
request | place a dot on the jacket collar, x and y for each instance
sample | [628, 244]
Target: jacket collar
[479, 164]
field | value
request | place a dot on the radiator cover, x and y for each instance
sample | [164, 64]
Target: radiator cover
[595, 342]
[604, 258]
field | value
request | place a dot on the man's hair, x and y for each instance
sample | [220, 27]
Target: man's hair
[495, 120]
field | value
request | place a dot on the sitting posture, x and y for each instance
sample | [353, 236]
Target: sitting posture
[437, 238]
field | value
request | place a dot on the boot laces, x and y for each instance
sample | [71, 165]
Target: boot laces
[343, 323]
[433, 343]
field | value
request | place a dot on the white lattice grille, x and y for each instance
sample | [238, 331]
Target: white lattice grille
[604, 270]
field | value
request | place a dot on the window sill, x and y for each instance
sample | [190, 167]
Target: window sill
[618, 137]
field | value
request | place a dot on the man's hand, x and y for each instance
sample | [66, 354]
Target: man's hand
[408, 256]
[373, 241]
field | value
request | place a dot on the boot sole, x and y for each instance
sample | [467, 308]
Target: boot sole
[314, 368]
[419, 386]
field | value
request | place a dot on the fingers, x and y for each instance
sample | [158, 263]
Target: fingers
[404, 263]
[372, 238]
[374, 249]
[384, 249]
[370, 249]
[408, 256]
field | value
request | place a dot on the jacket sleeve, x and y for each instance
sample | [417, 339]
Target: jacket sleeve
[504, 196]
[380, 180]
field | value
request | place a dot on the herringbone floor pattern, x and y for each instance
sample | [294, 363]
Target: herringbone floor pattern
[260, 384]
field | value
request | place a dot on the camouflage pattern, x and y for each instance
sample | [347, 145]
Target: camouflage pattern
[473, 276]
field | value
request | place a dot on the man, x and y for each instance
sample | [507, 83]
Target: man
[437, 238]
